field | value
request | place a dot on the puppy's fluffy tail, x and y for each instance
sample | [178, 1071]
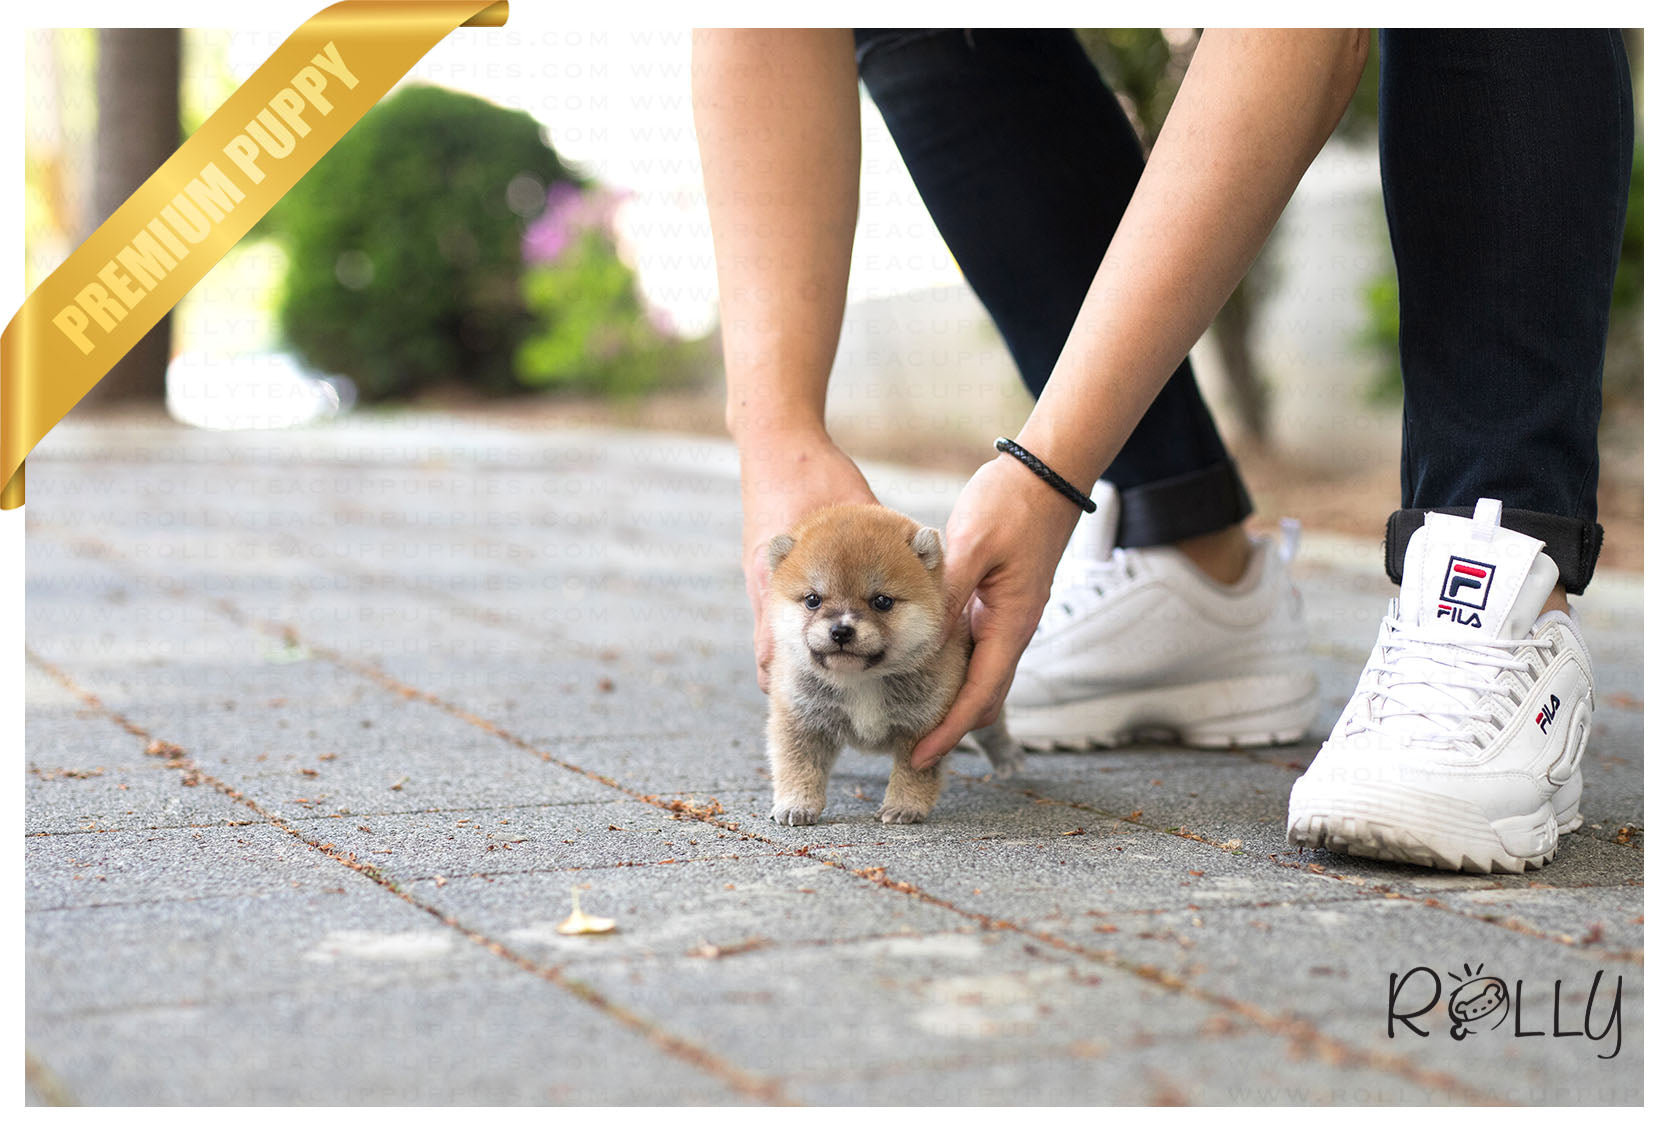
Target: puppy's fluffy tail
[995, 741]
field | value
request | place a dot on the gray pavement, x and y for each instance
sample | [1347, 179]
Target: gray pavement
[324, 726]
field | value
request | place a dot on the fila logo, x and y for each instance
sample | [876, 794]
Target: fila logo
[1459, 616]
[1468, 582]
[1547, 713]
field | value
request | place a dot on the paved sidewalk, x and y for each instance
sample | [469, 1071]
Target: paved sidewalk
[324, 727]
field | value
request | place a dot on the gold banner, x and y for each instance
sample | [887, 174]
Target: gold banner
[153, 249]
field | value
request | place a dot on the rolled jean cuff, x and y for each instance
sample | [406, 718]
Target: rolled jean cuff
[1572, 544]
[1193, 504]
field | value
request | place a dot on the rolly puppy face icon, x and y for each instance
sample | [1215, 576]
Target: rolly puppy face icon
[1478, 1004]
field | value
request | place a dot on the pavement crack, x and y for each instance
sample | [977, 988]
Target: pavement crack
[47, 1086]
[217, 825]
[1305, 1038]
[1302, 1035]
[746, 1083]
[1383, 890]
[454, 876]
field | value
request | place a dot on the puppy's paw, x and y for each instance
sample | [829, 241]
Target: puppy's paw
[789, 815]
[901, 813]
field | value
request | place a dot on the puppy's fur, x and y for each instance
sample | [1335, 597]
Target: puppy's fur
[858, 611]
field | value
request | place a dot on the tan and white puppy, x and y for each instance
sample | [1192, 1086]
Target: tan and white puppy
[858, 612]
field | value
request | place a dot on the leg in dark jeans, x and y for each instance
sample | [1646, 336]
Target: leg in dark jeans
[1505, 162]
[1026, 163]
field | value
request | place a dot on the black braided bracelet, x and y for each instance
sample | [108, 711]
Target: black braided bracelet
[1049, 475]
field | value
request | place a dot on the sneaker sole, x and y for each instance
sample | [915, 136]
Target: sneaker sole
[1401, 824]
[1237, 712]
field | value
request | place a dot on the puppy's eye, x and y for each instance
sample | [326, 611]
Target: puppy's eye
[813, 602]
[882, 602]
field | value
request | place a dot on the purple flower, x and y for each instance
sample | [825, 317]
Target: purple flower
[661, 320]
[569, 211]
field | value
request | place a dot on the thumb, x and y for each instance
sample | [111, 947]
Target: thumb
[754, 578]
[962, 576]
[763, 654]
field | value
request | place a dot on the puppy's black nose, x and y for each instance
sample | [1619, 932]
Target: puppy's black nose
[841, 633]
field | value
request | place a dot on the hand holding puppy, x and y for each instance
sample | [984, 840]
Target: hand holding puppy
[864, 658]
[785, 479]
[1005, 536]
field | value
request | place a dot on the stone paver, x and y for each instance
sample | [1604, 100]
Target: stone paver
[406, 683]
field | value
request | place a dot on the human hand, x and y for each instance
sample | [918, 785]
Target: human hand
[1003, 541]
[786, 479]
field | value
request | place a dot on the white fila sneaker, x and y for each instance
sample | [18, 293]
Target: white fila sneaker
[1460, 747]
[1138, 643]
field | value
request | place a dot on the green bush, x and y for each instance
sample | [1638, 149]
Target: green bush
[1380, 337]
[591, 331]
[405, 244]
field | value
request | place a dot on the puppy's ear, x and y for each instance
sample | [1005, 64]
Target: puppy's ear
[926, 543]
[779, 547]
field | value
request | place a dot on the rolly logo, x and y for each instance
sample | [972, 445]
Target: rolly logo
[1480, 1002]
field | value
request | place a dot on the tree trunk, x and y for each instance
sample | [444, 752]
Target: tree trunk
[138, 129]
[1233, 330]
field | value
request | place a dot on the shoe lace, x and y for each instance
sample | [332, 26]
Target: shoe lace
[1435, 689]
[1080, 582]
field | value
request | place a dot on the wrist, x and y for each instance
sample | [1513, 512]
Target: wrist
[781, 447]
[1035, 498]
[1066, 457]
[1044, 472]
[756, 424]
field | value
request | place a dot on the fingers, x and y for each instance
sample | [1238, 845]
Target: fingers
[781, 485]
[762, 654]
[962, 577]
[978, 703]
[754, 575]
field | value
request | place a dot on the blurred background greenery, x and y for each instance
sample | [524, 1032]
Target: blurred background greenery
[443, 242]
[442, 247]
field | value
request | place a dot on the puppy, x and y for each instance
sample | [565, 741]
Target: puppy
[858, 612]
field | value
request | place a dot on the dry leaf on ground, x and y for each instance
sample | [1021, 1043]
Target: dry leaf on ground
[580, 922]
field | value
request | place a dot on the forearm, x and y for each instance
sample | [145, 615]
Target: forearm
[1252, 112]
[777, 120]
